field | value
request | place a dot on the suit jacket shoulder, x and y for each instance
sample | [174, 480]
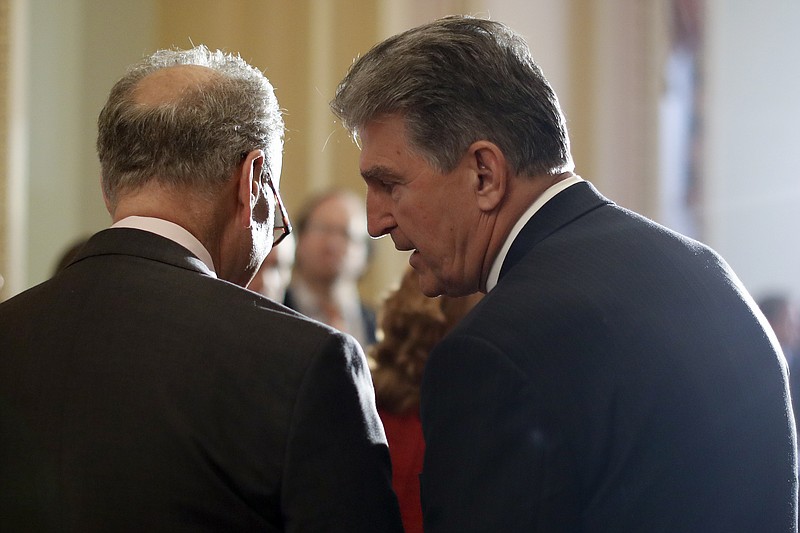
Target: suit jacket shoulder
[146, 392]
[611, 351]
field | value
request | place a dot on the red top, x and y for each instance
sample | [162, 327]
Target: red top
[406, 448]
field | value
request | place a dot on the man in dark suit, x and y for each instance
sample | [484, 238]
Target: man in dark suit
[143, 388]
[616, 376]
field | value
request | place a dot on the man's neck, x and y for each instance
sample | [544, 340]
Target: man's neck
[521, 194]
[188, 211]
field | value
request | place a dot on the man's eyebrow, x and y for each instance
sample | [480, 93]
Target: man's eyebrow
[378, 172]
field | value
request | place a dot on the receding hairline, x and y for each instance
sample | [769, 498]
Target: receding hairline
[169, 84]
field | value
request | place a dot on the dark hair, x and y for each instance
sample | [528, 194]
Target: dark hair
[455, 81]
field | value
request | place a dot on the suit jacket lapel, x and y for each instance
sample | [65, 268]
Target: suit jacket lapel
[140, 243]
[565, 207]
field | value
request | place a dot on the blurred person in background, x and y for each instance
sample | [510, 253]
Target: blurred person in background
[410, 325]
[782, 314]
[275, 273]
[333, 252]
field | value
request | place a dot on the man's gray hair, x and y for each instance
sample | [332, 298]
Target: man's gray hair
[455, 81]
[194, 140]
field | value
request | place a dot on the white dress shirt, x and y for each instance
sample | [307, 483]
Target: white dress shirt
[171, 231]
[546, 196]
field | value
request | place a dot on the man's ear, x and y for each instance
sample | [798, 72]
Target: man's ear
[249, 185]
[491, 173]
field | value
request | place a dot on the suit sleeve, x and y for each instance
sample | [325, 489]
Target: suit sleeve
[491, 459]
[337, 470]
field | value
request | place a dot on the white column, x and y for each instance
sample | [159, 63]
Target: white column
[16, 171]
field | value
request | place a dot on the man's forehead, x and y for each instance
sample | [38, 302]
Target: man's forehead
[383, 144]
[169, 83]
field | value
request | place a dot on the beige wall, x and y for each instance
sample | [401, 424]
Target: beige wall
[12, 148]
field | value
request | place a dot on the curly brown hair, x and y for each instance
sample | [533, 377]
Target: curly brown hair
[411, 324]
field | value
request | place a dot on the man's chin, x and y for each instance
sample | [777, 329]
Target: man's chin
[429, 285]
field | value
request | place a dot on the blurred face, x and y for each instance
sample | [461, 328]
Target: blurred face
[431, 214]
[786, 326]
[333, 243]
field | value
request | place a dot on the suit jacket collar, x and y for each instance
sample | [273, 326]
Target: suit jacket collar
[559, 211]
[144, 244]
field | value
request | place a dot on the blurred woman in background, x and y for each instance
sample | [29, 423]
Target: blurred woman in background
[410, 325]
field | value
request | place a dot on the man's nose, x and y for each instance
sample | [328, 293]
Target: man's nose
[380, 220]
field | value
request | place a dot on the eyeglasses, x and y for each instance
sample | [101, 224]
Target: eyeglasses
[282, 225]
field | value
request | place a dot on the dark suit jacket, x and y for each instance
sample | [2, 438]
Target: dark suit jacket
[138, 393]
[618, 378]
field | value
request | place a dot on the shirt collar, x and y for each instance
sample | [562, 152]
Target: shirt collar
[171, 231]
[547, 195]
